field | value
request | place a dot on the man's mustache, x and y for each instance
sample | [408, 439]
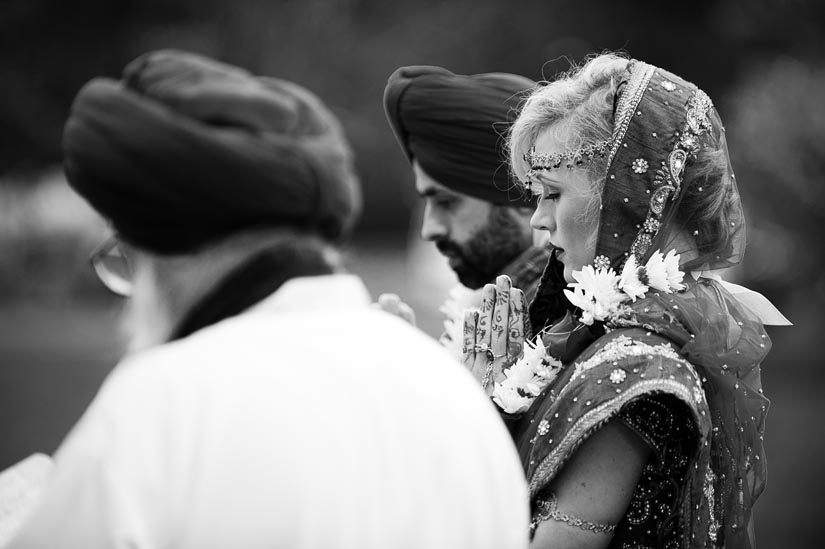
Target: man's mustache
[450, 248]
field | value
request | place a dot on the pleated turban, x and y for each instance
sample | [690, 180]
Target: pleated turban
[185, 150]
[455, 127]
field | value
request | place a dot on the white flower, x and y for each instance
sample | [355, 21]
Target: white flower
[629, 282]
[548, 369]
[656, 272]
[526, 378]
[533, 356]
[510, 400]
[519, 374]
[674, 275]
[595, 292]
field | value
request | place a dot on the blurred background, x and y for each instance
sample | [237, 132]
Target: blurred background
[760, 60]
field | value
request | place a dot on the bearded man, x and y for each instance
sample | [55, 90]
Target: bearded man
[451, 128]
[263, 403]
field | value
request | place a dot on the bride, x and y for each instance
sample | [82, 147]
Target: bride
[639, 412]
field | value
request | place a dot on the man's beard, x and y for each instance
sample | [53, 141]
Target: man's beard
[489, 250]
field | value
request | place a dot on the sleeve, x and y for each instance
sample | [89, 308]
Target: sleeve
[623, 376]
[663, 421]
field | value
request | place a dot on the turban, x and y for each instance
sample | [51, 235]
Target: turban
[185, 150]
[454, 126]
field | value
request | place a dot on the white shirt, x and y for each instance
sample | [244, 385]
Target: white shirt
[310, 421]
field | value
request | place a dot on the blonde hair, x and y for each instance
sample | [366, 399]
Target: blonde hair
[577, 107]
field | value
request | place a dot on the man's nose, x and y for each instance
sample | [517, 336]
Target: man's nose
[432, 227]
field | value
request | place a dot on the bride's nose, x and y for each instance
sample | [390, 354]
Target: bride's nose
[542, 219]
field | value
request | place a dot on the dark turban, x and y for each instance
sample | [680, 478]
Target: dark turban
[185, 150]
[455, 126]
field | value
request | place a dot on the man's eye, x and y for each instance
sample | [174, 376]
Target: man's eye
[444, 203]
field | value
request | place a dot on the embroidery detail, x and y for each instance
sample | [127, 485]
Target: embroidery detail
[653, 517]
[617, 376]
[623, 347]
[709, 491]
[543, 428]
[549, 466]
[601, 262]
[640, 165]
[668, 85]
[667, 181]
[640, 75]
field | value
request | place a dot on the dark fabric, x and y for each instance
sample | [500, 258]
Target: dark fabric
[184, 150]
[254, 280]
[549, 303]
[713, 368]
[455, 125]
[525, 271]
[652, 519]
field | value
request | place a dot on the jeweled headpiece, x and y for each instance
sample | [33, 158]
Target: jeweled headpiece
[570, 159]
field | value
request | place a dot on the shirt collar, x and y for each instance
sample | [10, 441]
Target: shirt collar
[335, 291]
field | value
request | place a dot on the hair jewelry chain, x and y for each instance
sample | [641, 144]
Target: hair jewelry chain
[577, 157]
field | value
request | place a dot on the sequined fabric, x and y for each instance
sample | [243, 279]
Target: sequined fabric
[653, 517]
[680, 369]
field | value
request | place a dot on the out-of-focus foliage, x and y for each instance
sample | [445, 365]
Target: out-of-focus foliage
[46, 232]
[345, 49]
[759, 59]
[777, 133]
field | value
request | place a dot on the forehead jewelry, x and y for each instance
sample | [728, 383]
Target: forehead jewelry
[573, 158]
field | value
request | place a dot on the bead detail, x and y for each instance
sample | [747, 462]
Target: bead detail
[640, 165]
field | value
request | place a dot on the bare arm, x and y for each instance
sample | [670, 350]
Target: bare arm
[594, 486]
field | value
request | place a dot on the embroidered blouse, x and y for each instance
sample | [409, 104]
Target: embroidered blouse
[636, 377]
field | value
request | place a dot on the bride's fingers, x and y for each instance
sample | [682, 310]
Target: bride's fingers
[468, 353]
[499, 326]
[483, 328]
[518, 319]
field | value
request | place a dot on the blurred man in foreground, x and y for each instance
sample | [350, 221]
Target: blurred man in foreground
[451, 128]
[264, 403]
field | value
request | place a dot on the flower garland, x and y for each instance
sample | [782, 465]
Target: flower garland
[600, 294]
[526, 378]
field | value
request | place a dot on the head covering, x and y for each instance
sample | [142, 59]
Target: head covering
[661, 122]
[185, 150]
[454, 126]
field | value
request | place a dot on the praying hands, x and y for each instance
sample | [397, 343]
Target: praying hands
[494, 334]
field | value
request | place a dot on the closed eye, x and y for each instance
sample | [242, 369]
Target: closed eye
[444, 202]
[543, 191]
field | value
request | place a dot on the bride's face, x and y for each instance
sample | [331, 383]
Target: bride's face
[566, 210]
